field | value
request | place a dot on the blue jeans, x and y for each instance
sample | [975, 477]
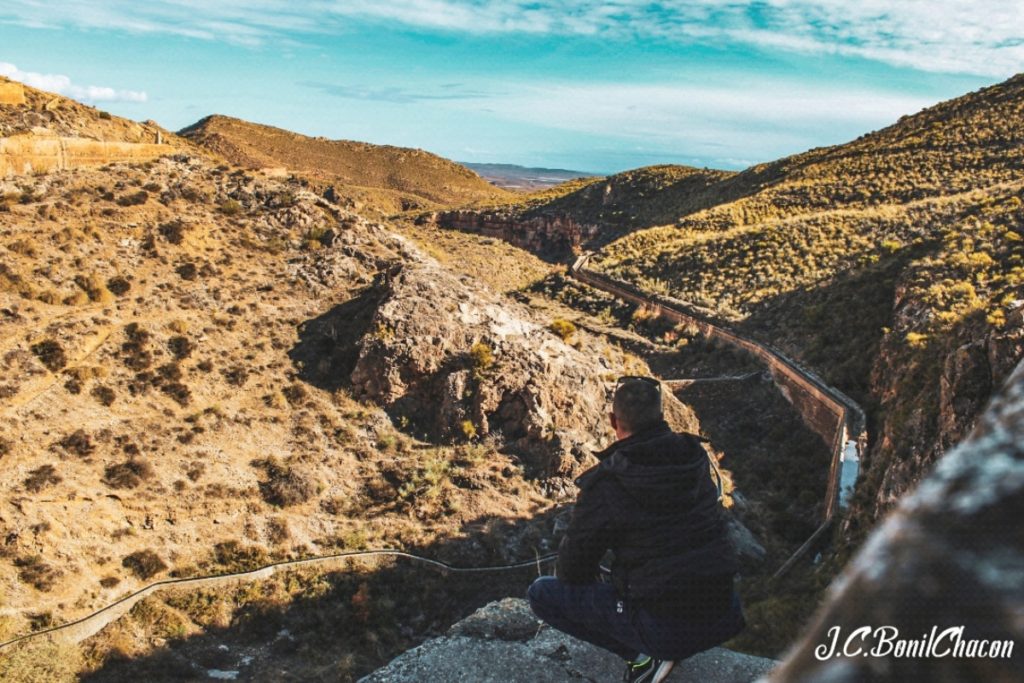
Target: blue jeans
[594, 612]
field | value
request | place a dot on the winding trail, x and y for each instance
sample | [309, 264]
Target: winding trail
[78, 630]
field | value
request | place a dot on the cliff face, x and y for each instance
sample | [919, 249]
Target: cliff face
[549, 235]
[932, 397]
[950, 556]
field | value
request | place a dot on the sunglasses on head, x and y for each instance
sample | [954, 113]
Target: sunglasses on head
[626, 379]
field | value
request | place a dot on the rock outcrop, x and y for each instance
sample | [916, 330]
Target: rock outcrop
[453, 362]
[950, 556]
[933, 403]
[547, 235]
[504, 643]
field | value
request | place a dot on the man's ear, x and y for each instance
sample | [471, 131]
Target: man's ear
[611, 417]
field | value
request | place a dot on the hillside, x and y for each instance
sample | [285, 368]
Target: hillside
[382, 177]
[892, 264]
[38, 110]
[590, 212]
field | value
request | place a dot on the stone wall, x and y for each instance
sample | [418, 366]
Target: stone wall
[27, 154]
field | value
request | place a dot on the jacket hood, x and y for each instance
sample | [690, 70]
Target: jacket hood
[656, 466]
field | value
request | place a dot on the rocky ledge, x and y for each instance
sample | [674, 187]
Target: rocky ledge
[504, 643]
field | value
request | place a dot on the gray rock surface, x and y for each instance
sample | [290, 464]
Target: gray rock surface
[455, 361]
[951, 555]
[504, 643]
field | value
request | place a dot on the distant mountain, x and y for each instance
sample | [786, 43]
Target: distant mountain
[523, 178]
[383, 177]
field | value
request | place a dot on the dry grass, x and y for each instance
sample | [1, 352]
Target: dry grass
[38, 662]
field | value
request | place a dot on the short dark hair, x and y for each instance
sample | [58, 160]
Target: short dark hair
[637, 404]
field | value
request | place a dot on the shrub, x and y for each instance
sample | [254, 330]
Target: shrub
[127, 475]
[234, 556]
[35, 572]
[277, 530]
[295, 394]
[482, 357]
[235, 375]
[180, 347]
[104, 394]
[41, 477]
[178, 391]
[51, 354]
[78, 443]
[118, 285]
[916, 340]
[94, 288]
[144, 563]
[285, 485]
[173, 231]
[230, 207]
[563, 328]
[134, 199]
[187, 271]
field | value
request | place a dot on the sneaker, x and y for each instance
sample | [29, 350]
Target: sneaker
[648, 670]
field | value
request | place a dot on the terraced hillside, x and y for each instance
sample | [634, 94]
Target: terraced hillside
[384, 177]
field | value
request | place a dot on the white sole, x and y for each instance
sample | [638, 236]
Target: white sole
[664, 669]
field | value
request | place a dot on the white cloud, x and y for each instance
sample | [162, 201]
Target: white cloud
[62, 85]
[729, 123]
[981, 37]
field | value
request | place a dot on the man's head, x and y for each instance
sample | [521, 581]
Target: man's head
[636, 405]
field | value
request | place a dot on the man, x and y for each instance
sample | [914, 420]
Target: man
[651, 501]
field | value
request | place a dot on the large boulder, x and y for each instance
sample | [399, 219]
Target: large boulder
[451, 361]
[504, 643]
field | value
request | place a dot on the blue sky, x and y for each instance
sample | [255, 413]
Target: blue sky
[596, 86]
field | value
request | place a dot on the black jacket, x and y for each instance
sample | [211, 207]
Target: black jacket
[651, 500]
